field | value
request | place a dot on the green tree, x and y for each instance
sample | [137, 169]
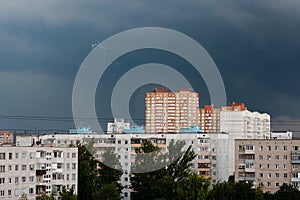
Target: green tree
[94, 175]
[173, 168]
[195, 187]
[287, 192]
[67, 194]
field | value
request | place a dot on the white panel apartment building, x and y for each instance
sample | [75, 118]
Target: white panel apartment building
[212, 149]
[32, 171]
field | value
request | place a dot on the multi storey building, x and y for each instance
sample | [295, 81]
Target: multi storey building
[33, 171]
[118, 126]
[169, 111]
[6, 137]
[242, 123]
[212, 159]
[267, 162]
[209, 118]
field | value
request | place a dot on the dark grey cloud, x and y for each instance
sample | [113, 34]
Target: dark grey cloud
[255, 44]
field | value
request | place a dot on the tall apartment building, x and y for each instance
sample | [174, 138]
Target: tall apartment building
[169, 111]
[6, 137]
[33, 171]
[268, 163]
[209, 118]
[212, 159]
[242, 123]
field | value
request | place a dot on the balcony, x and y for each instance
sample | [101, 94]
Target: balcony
[40, 172]
[295, 179]
[249, 178]
[295, 157]
[250, 169]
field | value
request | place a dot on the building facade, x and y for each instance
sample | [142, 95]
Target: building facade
[169, 111]
[212, 159]
[209, 118]
[267, 163]
[33, 171]
[6, 137]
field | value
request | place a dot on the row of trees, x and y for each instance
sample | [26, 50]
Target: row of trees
[173, 179]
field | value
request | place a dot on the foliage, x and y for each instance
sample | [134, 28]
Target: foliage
[67, 194]
[94, 177]
[167, 181]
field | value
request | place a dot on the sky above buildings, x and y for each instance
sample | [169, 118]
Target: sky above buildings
[254, 43]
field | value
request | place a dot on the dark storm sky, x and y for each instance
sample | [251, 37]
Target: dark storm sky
[254, 43]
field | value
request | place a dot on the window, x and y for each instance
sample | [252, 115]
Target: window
[260, 166]
[276, 148]
[2, 156]
[295, 148]
[23, 179]
[31, 155]
[285, 175]
[284, 157]
[269, 148]
[268, 166]
[126, 141]
[277, 166]
[261, 175]
[16, 192]
[269, 184]
[284, 148]
[269, 157]
[16, 180]
[285, 166]
[73, 176]
[16, 167]
[119, 141]
[73, 155]
[17, 155]
[31, 178]
[68, 165]
[9, 192]
[10, 156]
[2, 193]
[2, 180]
[261, 148]
[261, 157]
[24, 155]
[9, 180]
[277, 184]
[73, 165]
[31, 190]
[31, 167]
[9, 168]
[2, 168]
[277, 157]
[24, 167]
[269, 175]
[68, 155]
[277, 175]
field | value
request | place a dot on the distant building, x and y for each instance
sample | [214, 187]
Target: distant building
[170, 111]
[242, 123]
[80, 130]
[268, 162]
[33, 171]
[209, 118]
[135, 129]
[6, 137]
[281, 135]
[118, 126]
